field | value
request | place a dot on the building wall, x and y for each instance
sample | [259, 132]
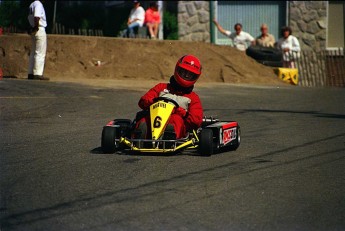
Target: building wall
[194, 21]
[308, 21]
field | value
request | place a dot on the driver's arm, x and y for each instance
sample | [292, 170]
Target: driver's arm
[147, 99]
[195, 113]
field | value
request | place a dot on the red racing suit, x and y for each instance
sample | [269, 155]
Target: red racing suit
[183, 119]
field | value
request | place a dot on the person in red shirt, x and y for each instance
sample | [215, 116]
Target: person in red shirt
[188, 115]
[152, 19]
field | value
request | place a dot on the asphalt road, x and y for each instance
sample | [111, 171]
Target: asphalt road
[288, 173]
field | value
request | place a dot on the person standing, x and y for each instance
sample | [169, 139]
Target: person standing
[265, 39]
[240, 39]
[290, 47]
[38, 23]
[135, 19]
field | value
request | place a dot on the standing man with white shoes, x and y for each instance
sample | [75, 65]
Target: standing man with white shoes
[38, 23]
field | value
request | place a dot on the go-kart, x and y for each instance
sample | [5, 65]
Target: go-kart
[213, 136]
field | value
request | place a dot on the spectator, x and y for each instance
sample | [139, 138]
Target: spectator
[135, 19]
[290, 47]
[38, 22]
[265, 39]
[152, 19]
[240, 39]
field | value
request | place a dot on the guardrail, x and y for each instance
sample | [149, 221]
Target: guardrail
[61, 29]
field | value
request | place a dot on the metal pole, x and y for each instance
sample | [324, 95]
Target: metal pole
[212, 32]
[160, 29]
[54, 17]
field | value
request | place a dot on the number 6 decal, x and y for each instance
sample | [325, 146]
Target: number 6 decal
[157, 122]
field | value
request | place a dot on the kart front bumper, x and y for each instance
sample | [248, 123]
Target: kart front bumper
[160, 145]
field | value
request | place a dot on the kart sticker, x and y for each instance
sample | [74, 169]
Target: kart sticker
[229, 135]
[159, 104]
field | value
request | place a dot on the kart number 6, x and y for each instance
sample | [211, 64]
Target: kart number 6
[157, 122]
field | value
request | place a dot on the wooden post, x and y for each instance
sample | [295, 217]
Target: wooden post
[323, 67]
[341, 66]
[301, 69]
[331, 58]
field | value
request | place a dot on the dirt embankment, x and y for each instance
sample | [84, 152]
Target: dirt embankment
[77, 57]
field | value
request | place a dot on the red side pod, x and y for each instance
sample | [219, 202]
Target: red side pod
[230, 125]
[229, 132]
[110, 123]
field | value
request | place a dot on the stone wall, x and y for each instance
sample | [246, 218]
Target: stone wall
[308, 21]
[194, 21]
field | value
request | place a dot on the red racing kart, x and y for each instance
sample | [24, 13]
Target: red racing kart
[213, 136]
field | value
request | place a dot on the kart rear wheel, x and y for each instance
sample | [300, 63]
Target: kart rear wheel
[205, 147]
[108, 139]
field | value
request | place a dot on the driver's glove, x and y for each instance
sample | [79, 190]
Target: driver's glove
[145, 103]
[181, 111]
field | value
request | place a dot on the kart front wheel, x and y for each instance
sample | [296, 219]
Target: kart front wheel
[108, 139]
[205, 147]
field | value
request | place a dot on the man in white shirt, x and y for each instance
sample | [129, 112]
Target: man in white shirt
[240, 39]
[38, 23]
[136, 19]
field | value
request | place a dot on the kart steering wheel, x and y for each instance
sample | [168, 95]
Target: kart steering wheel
[169, 100]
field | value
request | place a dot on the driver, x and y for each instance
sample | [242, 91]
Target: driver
[188, 115]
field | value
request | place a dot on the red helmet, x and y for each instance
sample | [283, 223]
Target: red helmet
[187, 70]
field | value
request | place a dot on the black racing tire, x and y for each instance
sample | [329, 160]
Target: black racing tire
[236, 143]
[108, 139]
[125, 122]
[271, 63]
[205, 147]
[264, 53]
[124, 129]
